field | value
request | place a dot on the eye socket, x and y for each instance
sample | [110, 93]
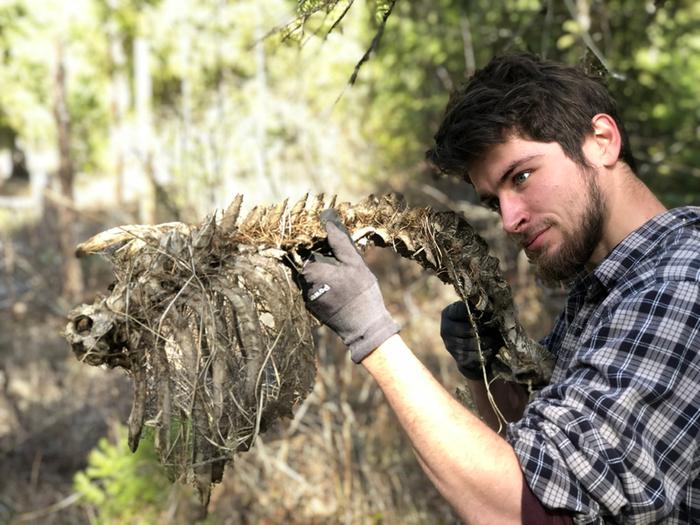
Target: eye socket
[493, 205]
[521, 177]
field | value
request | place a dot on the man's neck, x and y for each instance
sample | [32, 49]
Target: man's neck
[630, 204]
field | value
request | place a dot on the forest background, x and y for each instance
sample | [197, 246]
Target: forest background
[123, 111]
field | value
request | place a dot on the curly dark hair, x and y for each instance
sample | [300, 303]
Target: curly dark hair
[524, 95]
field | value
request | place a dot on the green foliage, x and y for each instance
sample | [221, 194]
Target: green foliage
[256, 90]
[649, 48]
[30, 40]
[124, 488]
[24, 99]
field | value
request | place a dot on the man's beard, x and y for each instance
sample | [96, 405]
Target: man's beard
[578, 245]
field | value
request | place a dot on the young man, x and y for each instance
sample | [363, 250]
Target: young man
[614, 437]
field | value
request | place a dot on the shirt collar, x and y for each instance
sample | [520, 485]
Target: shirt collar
[633, 248]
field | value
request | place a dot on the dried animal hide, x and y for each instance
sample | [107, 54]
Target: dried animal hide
[214, 333]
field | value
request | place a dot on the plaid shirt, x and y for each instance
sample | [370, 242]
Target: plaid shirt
[614, 437]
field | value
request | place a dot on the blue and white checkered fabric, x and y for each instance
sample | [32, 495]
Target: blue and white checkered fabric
[615, 435]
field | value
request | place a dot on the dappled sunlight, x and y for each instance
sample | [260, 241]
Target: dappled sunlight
[145, 112]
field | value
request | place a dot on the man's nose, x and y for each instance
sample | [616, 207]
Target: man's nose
[513, 214]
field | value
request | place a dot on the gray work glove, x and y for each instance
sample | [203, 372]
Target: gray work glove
[460, 340]
[344, 295]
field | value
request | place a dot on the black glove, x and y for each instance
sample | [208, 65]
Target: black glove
[460, 340]
[344, 294]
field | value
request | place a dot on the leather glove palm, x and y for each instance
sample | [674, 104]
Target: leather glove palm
[344, 295]
[460, 340]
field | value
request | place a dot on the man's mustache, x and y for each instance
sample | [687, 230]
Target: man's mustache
[525, 236]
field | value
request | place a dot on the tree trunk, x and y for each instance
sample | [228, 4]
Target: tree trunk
[262, 170]
[468, 44]
[119, 104]
[143, 90]
[67, 236]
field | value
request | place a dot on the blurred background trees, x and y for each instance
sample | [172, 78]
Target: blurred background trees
[183, 102]
[118, 111]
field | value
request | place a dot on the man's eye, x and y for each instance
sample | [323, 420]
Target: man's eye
[521, 177]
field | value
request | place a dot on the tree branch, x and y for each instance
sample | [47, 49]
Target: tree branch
[374, 44]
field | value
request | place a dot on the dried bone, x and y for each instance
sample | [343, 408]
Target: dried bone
[215, 334]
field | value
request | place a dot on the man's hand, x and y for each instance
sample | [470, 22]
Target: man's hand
[460, 340]
[344, 294]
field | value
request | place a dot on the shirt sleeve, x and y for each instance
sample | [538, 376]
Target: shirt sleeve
[618, 435]
[534, 513]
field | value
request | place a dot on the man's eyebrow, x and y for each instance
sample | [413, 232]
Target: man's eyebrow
[514, 165]
[510, 168]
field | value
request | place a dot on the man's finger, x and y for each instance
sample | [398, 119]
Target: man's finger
[324, 259]
[340, 242]
[329, 215]
[339, 238]
[456, 311]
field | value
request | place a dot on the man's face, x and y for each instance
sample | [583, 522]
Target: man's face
[549, 204]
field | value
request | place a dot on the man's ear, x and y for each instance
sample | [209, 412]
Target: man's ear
[605, 143]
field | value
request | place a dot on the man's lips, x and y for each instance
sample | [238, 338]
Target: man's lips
[531, 241]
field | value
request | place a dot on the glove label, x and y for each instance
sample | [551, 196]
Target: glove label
[318, 293]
